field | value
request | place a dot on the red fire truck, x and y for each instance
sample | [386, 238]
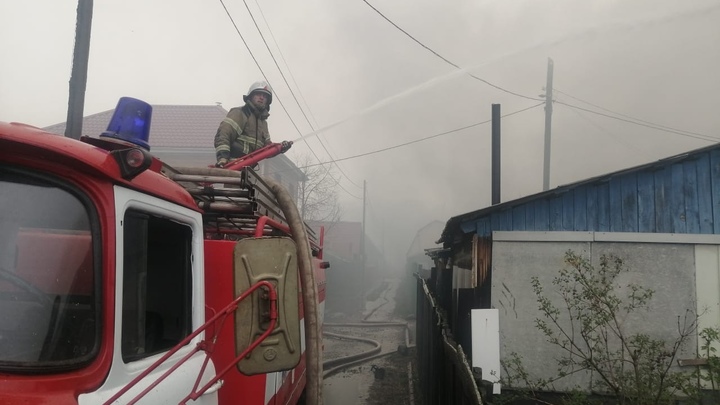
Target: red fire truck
[124, 280]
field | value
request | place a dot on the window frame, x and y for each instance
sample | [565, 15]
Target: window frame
[128, 199]
[94, 228]
[149, 322]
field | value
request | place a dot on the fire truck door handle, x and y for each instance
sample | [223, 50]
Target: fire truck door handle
[214, 388]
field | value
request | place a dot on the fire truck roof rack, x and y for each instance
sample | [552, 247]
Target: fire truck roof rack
[234, 203]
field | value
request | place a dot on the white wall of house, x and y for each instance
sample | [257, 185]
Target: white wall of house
[683, 270]
[707, 261]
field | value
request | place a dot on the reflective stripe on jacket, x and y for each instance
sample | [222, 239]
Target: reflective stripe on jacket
[241, 132]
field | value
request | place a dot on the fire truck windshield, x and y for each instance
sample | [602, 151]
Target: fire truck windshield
[48, 298]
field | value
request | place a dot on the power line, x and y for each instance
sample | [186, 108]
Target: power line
[276, 64]
[243, 39]
[444, 59]
[430, 137]
[296, 101]
[649, 124]
[276, 96]
[296, 85]
[318, 184]
[630, 117]
[262, 72]
[701, 137]
[289, 88]
[604, 130]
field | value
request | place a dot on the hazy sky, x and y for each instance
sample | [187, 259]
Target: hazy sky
[653, 60]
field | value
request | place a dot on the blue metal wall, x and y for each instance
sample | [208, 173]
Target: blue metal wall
[679, 195]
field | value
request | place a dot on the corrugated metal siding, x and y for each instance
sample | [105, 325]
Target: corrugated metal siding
[679, 197]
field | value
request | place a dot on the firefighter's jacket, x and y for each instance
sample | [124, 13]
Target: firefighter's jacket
[242, 131]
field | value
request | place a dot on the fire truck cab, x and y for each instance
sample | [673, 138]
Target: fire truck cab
[116, 287]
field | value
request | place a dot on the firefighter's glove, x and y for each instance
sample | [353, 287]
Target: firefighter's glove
[221, 162]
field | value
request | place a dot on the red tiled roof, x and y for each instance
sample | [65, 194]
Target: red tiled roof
[189, 128]
[173, 126]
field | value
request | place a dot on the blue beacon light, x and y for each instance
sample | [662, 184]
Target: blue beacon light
[130, 122]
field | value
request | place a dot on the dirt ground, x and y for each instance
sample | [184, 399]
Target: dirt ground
[395, 387]
[384, 379]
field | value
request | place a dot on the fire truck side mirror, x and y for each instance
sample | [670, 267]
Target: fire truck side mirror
[272, 259]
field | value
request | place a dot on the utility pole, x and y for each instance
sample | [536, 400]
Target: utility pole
[365, 279]
[78, 77]
[548, 124]
[362, 237]
[495, 159]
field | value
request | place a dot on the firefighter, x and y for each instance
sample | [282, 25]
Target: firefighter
[245, 128]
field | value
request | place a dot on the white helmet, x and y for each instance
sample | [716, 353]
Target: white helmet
[262, 87]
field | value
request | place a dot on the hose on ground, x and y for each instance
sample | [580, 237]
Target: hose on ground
[376, 348]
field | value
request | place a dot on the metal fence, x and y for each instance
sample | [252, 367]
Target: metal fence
[443, 369]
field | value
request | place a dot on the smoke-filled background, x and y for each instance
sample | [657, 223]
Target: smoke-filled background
[365, 77]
